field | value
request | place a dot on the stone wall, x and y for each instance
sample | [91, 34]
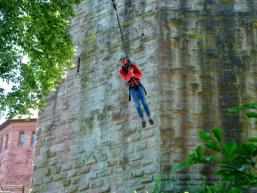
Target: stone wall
[208, 63]
[198, 58]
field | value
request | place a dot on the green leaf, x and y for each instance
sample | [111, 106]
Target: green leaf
[247, 149]
[205, 135]
[254, 154]
[251, 114]
[192, 158]
[181, 167]
[250, 106]
[243, 107]
[252, 139]
[236, 190]
[232, 111]
[218, 133]
[199, 153]
[214, 146]
[230, 149]
[225, 172]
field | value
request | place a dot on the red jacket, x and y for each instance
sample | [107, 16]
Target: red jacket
[137, 75]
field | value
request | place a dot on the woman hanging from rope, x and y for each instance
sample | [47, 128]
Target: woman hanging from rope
[132, 74]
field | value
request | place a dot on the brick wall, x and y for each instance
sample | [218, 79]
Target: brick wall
[197, 57]
[16, 158]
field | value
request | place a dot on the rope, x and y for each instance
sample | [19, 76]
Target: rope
[114, 4]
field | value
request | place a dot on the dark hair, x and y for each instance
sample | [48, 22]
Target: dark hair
[127, 65]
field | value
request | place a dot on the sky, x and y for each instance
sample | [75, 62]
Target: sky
[7, 88]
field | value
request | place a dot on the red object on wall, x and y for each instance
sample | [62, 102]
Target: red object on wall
[17, 138]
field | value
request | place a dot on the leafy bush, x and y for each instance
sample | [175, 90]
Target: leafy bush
[236, 164]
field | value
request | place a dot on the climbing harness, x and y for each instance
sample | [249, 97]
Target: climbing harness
[114, 4]
[138, 84]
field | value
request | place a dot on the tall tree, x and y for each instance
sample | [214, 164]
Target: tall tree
[35, 50]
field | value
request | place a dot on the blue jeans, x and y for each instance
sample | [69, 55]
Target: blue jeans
[139, 95]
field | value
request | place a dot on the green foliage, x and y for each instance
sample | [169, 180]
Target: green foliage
[220, 187]
[243, 107]
[157, 185]
[236, 161]
[250, 108]
[37, 30]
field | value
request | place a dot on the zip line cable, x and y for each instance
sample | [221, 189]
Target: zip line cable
[114, 4]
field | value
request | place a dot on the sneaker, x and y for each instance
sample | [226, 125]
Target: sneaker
[143, 124]
[151, 121]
